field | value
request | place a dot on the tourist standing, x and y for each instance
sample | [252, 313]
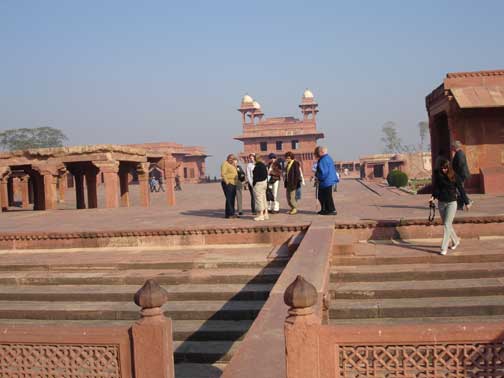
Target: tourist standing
[459, 164]
[326, 177]
[274, 172]
[160, 184]
[239, 187]
[229, 178]
[445, 189]
[260, 182]
[250, 181]
[177, 183]
[292, 181]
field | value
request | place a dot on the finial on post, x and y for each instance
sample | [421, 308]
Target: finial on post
[151, 297]
[300, 296]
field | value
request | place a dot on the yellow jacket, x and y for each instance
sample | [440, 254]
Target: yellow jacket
[229, 174]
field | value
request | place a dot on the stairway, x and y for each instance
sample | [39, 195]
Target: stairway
[393, 282]
[214, 294]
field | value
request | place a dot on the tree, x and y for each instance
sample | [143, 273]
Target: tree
[424, 132]
[23, 139]
[393, 143]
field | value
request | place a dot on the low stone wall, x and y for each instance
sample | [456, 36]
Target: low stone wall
[167, 237]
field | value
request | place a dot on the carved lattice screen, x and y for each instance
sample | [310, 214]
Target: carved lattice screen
[54, 361]
[422, 361]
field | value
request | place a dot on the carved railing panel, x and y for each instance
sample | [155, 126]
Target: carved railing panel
[59, 360]
[421, 361]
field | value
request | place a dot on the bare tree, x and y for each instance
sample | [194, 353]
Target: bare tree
[393, 143]
[423, 128]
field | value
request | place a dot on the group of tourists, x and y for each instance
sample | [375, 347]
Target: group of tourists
[448, 189]
[262, 180]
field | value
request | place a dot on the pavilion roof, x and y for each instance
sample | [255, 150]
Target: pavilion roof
[479, 96]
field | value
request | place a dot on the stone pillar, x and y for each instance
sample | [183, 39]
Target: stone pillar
[170, 165]
[79, 190]
[62, 182]
[111, 178]
[301, 336]
[10, 191]
[92, 192]
[143, 182]
[25, 192]
[123, 184]
[50, 192]
[385, 169]
[4, 197]
[152, 334]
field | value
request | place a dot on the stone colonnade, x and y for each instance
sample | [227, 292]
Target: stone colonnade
[43, 180]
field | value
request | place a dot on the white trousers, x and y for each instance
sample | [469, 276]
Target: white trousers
[274, 205]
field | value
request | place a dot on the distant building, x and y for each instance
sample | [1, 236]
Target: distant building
[190, 159]
[469, 107]
[416, 165]
[280, 134]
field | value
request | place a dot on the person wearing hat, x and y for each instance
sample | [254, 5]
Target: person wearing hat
[229, 178]
[459, 164]
[274, 172]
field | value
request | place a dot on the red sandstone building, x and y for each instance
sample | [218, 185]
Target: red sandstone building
[469, 107]
[280, 134]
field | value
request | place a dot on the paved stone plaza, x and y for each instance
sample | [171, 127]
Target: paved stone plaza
[203, 205]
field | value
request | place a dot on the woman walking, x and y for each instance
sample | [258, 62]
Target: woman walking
[260, 177]
[292, 181]
[445, 191]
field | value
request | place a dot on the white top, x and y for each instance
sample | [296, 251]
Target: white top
[250, 173]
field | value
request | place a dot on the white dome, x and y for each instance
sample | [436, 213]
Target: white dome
[256, 105]
[307, 94]
[247, 99]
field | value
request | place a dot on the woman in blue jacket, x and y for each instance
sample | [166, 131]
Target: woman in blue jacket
[326, 177]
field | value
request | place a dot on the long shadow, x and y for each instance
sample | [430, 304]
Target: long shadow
[416, 247]
[205, 333]
[403, 207]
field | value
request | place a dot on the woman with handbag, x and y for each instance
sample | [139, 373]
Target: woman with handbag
[445, 189]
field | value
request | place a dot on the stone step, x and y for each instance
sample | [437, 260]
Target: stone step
[124, 293]
[192, 370]
[138, 277]
[417, 307]
[417, 289]
[190, 330]
[425, 258]
[181, 310]
[415, 272]
[204, 351]
[424, 320]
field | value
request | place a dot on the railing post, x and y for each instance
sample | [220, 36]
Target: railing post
[301, 339]
[152, 334]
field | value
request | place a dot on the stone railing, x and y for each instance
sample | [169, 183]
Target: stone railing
[143, 350]
[454, 350]
[261, 354]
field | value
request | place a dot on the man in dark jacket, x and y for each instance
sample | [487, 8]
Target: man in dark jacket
[459, 164]
[292, 181]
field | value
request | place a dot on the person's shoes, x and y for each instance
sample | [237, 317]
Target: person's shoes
[259, 218]
[254, 213]
[293, 211]
[330, 213]
[266, 216]
[454, 246]
[321, 212]
[274, 211]
[469, 205]
[443, 252]
[240, 213]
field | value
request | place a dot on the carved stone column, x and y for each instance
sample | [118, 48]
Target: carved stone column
[111, 180]
[143, 181]
[301, 339]
[4, 197]
[79, 190]
[62, 187]
[50, 192]
[152, 334]
[170, 165]
[25, 192]
[124, 187]
[92, 192]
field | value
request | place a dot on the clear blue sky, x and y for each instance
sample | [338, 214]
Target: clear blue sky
[133, 72]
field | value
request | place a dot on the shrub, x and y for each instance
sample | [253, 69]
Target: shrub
[397, 178]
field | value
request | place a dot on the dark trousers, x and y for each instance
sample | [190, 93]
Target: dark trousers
[230, 194]
[326, 200]
[462, 198]
[252, 198]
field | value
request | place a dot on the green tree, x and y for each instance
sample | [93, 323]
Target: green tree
[23, 139]
[393, 143]
[423, 128]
